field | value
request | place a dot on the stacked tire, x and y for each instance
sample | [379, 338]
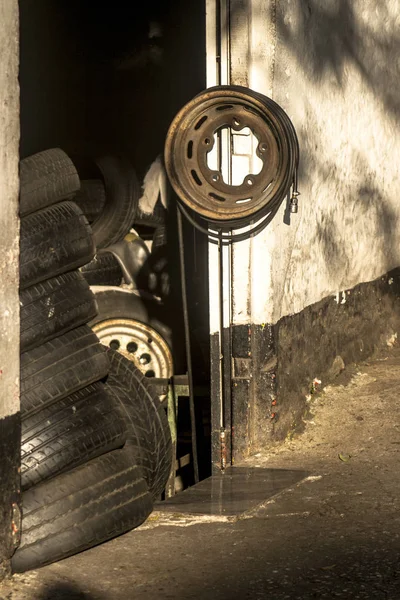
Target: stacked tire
[131, 317]
[110, 205]
[95, 447]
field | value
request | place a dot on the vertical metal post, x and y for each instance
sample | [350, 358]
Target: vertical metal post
[188, 348]
[218, 73]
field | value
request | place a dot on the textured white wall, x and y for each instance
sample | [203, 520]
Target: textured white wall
[9, 225]
[334, 66]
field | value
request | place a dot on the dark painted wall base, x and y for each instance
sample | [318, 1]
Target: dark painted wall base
[249, 390]
[10, 516]
[274, 366]
[325, 337]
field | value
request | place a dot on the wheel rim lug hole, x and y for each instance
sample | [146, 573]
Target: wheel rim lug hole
[132, 347]
[114, 345]
[145, 359]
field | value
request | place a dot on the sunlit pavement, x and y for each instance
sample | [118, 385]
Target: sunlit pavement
[333, 534]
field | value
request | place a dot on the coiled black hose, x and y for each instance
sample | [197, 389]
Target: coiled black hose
[211, 206]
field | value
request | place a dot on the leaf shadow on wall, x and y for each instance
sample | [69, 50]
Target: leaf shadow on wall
[333, 35]
[362, 201]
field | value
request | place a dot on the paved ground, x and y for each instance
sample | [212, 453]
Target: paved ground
[334, 535]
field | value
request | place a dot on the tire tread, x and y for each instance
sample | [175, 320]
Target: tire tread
[54, 240]
[79, 509]
[53, 307]
[60, 367]
[69, 432]
[46, 178]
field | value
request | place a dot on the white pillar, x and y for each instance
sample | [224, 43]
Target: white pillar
[9, 278]
[241, 54]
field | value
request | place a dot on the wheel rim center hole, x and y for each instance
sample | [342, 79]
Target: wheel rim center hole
[233, 157]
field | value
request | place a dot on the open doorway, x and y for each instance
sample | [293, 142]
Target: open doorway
[106, 78]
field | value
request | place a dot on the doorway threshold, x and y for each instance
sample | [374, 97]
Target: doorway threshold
[232, 492]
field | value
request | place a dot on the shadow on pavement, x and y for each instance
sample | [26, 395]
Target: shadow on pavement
[65, 591]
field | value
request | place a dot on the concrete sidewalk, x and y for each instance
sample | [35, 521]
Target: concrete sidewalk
[333, 535]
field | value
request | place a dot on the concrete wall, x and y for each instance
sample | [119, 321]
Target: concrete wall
[9, 301]
[333, 65]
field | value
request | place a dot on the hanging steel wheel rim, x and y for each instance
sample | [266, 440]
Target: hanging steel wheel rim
[193, 135]
[138, 342]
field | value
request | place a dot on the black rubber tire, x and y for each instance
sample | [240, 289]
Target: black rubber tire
[146, 419]
[122, 196]
[104, 269]
[68, 433]
[46, 178]
[81, 508]
[91, 198]
[60, 367]
[119, 303]
[53, 307]
[159, 238]
[159, 281]
[53, 241]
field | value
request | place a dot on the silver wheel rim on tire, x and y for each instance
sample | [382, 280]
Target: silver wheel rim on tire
[139, 343]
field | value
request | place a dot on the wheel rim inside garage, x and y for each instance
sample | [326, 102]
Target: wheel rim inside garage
[139, 343]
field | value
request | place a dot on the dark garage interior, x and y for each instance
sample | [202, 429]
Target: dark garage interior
[106, 78]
